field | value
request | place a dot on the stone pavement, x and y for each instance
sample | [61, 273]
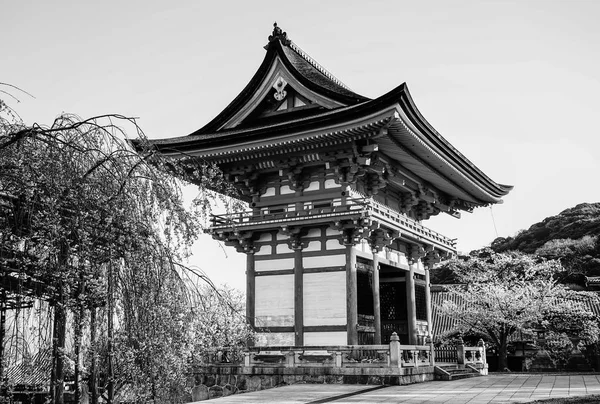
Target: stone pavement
[496, 388]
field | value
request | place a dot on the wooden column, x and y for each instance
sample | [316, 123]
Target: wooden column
[298, 298]
[376, 300]
[411, 303]
[351, 296]
[428, 301]
[250, 289]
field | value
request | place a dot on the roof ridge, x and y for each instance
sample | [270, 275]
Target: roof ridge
[316, 65]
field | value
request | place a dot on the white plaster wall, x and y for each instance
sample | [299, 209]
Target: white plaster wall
[314, 233]
[274, 305]
[325, 338]
[313, 186]
[333, 245]
[313, 246]
[275, 339]
[325, 298]
[283, 248]
[264, 250]
[285, 189]
[274, 264]
[330, 183]
[332, 232]
[324, 261]
[270, 191]
[265, 237]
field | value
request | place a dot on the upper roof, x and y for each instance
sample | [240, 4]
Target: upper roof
[291, 99]
[284, 59]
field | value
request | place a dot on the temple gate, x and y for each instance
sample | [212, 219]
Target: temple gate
[337, 187]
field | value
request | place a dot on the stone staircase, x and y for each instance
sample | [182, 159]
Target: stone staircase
[454, 372]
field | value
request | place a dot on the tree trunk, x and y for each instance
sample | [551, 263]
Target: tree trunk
[77, 342]
[93, 382]
[57, 387]
[110, 370]
[503, 354]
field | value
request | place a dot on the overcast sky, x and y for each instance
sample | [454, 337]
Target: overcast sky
[514, 85]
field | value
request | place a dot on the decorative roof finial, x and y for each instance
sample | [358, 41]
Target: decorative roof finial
[279, 34]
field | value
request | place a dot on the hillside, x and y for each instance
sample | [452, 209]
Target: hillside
[573, 223]
[573, 236]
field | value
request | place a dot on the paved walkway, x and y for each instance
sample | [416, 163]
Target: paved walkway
[499, 388]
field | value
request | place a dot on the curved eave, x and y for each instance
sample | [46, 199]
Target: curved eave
[436, 141]
[410, 140]
[274, 49]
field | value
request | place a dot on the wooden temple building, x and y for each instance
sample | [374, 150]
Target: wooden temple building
[338, 186]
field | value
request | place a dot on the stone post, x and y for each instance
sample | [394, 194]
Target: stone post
[460, 351]
[429, 341]
[481, 344]
[395, 351]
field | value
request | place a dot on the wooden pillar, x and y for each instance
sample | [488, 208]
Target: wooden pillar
[428, 301]
[411, 303]
[351, 296]
[376, 300]
[250, 289]
[298, 298]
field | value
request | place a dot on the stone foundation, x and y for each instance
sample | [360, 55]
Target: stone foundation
[219, 381]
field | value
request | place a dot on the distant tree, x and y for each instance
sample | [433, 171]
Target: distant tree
[502, 294]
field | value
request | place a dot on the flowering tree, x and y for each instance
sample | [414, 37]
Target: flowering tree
[99, 231]
[500, 294]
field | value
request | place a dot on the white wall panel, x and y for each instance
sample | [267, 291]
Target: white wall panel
[334, 245]
[324, 261]
[274, 305]
[274, 264]
[325, 338]
[264, 250]
[325, 298]
[283, 248]
[275, 339]
[313, 246]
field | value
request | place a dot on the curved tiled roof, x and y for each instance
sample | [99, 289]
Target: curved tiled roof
[301, 66]
[409, 139]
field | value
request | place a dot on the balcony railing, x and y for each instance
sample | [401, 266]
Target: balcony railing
[353, 208]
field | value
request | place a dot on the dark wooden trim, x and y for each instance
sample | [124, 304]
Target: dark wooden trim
[298, 299]
[351, 296]
[250, 289]
[309, 328]
[274, 329]
[274, 272]
[324, 252]
[324, 269]
[324, 328]
[268, 257]
[290, 198]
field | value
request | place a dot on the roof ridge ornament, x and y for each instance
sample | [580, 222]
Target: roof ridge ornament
[279, 34]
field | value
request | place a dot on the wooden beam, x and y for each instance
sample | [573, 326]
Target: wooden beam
[351, 296]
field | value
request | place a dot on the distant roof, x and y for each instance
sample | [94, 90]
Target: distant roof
[443, 324]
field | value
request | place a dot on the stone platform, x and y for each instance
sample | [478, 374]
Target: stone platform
[495, 388]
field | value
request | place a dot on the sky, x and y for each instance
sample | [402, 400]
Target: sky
[513, 85]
